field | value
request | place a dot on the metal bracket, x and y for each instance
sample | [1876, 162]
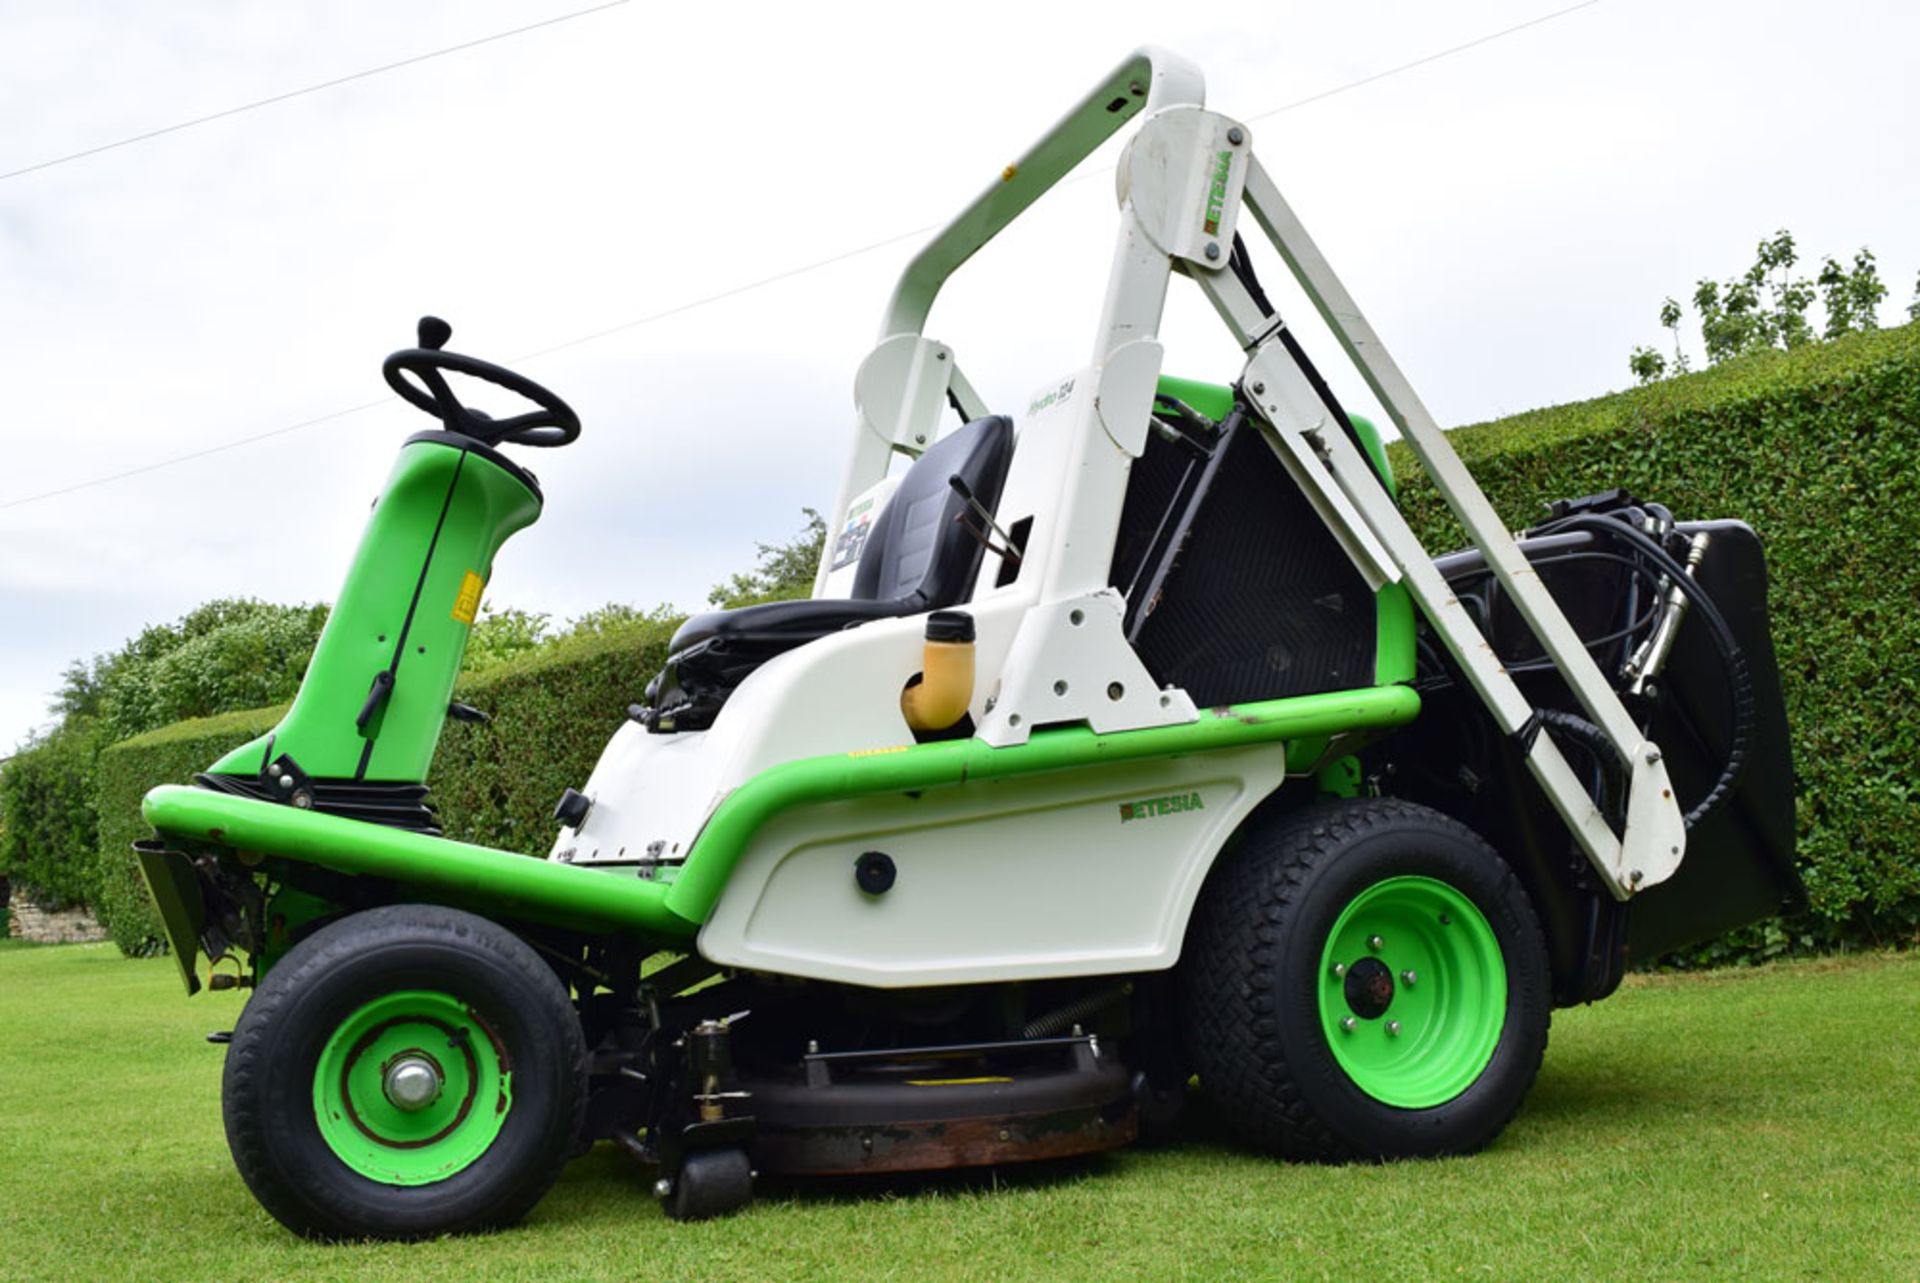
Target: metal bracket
[1184, 172]
[1070, 662]
[901, 390]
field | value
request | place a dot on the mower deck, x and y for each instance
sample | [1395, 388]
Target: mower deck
[933, 1108]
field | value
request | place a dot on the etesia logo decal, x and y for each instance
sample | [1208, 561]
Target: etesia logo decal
[1217, 194]
[1155, 807]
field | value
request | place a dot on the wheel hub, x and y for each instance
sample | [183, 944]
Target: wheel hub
[1369, 988]
[411, 1088]
[411, 1083]
[1420, 951]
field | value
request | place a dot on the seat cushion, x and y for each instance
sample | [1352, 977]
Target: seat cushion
[923, 554]
[781, 623]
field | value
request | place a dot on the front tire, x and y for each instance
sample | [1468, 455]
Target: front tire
[407, 1071]
[1366, 979]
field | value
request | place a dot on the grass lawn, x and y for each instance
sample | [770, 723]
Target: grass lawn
[1750, 1124]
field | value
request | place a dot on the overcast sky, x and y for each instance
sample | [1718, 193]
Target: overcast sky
[1510, 216]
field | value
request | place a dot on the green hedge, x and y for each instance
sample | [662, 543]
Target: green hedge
[552, 709]
[46, 795]
[1819, 451]
[125, 772]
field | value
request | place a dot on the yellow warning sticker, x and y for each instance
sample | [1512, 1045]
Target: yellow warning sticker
[955, 1082]
[467, 604]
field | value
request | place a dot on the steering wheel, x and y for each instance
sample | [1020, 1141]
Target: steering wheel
[553, 424]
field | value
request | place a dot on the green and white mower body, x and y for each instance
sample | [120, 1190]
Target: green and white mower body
[1129, 735]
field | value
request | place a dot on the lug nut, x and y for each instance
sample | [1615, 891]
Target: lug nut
[1409, 978]
[1349, 1024]
[1339, 968]
[1393, 1028]
[1375, 943]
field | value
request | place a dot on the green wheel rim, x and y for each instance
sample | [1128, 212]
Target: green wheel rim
[1412, 992]
[378, 1111]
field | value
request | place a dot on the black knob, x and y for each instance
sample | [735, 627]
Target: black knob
[434, 332]
[572, 809]
[874, 872]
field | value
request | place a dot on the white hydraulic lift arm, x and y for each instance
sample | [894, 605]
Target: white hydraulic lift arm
[1354, 501]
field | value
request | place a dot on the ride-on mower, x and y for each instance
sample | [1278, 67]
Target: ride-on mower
[1130, 739]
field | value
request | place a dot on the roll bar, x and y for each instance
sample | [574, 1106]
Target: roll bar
[1149, 78]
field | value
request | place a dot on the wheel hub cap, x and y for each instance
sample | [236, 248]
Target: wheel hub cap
[1369, 988]
[411, 1083]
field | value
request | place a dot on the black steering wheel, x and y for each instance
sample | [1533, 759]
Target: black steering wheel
[554, 423]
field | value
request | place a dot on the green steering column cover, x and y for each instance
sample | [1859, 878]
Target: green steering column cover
[405, 610]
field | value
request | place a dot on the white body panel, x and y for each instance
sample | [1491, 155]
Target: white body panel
[1029, 877]
[651, 794]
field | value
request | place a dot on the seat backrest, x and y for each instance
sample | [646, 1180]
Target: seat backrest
[919, 549]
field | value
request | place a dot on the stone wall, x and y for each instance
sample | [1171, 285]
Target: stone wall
[67, 926]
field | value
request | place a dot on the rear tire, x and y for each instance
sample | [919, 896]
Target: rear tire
[1365, 979]
[404, 1072]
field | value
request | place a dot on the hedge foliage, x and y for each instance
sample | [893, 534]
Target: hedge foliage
[1819, 451]
[46, 795]
[125, 772]
[552, 708]
[227, 654]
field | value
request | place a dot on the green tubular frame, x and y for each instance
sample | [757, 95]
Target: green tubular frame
[607, 901]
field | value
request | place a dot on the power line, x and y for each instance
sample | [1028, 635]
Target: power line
[749, 287]
[1489, 38]
[197, 454]
[310, 89]
[764, 281]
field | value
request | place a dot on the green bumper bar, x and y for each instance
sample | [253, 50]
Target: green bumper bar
[600, 900]
[516, 884]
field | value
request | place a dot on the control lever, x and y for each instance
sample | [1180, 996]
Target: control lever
[1007, 552]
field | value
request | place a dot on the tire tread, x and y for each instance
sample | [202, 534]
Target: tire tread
[1232, 955]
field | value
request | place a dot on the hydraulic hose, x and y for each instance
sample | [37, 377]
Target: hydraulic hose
[1612, 766]
[1739, 679]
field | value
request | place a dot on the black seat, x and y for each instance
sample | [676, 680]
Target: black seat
[920, 556]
